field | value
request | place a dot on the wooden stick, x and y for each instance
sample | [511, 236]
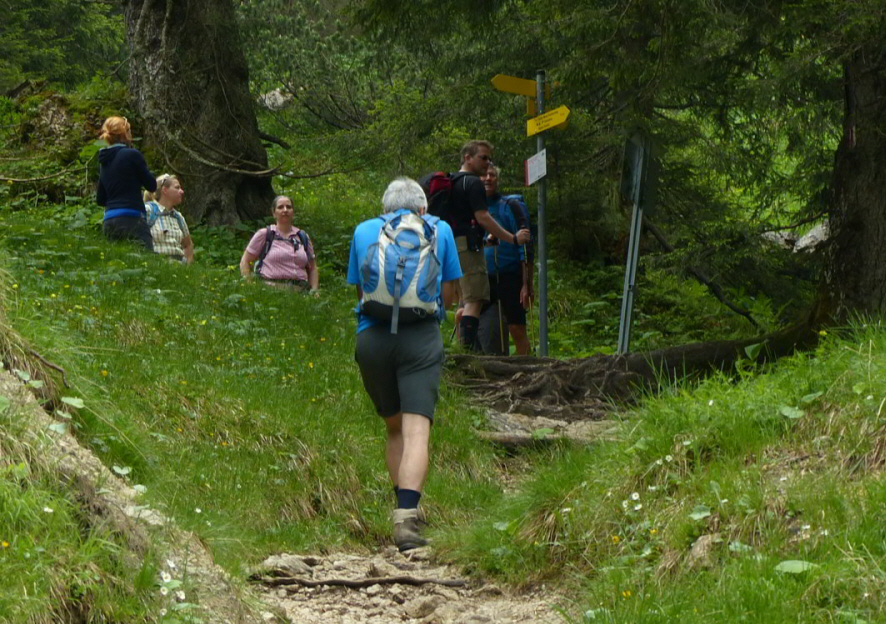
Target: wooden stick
[367, 582]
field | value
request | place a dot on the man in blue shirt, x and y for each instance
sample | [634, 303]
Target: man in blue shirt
[510, 274]
[401, 372]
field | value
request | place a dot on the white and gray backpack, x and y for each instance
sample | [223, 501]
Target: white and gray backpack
[400, 271]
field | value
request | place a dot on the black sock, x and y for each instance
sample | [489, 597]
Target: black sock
[407, 499]
[469, 327]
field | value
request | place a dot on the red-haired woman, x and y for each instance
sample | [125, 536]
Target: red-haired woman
[123, 174]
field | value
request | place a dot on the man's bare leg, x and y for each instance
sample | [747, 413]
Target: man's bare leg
[521, 339]
[394, 446]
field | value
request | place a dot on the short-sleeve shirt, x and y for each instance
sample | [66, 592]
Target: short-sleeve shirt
[283, 261]
[468, 197]
[168, 231]
[505, 257]
[367, 233]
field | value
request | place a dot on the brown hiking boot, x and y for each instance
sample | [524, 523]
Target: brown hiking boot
[407, 533]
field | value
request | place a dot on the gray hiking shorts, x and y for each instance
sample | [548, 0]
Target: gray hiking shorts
[401, 372]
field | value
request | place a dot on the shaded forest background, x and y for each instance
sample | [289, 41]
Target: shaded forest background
[746, 103]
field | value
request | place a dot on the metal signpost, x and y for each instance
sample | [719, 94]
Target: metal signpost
[542, 239]
[536, 169]
[639, 186]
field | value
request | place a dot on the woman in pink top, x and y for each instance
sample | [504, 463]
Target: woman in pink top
[284, 253]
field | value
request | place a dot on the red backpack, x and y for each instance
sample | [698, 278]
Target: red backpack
[438, 189]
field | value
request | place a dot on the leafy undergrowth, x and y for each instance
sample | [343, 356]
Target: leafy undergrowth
[756, 498]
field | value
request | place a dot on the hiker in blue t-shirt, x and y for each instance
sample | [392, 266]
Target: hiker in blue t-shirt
[510, 274]
[123, 174]
[401, 371]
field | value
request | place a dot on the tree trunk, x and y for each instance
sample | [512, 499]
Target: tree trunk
[190, 83]
[855, 276]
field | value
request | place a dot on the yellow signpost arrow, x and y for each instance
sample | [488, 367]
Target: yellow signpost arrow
[547, 121]
[518, 86]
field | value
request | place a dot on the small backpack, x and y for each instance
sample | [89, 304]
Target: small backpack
[399, 274]
[152, 213]
[301, 239]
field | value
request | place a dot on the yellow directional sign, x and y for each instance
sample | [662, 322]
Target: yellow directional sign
[547, 121]
[519, 86]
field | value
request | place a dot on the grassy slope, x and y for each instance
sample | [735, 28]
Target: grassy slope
[779, 465]
[240, 409]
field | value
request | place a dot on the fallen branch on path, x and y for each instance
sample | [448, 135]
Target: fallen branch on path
[282, 581]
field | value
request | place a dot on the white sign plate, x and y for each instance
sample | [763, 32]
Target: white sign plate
[536, 167]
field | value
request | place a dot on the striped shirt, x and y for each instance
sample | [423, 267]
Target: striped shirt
[168, 232]
[282, 261]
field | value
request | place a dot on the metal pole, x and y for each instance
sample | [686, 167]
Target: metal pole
[542, 243]
[638, 171]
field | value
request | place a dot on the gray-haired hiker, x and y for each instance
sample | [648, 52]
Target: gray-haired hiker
[404, 265]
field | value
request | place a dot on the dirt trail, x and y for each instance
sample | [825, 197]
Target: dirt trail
[382, 602]
[111, 501]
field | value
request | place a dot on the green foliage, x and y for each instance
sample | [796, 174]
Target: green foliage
[64, 41]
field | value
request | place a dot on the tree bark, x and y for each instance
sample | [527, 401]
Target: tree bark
[190, 83]
[854, 280]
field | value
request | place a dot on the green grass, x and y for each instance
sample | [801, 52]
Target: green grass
[240, 409]
[779, 464]
[56, 564]
[238, 406]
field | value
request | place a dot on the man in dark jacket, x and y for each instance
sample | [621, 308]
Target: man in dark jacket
[123, 174]
[470, 219]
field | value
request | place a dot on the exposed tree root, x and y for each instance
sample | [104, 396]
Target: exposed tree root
[285, 580]
[585, 389]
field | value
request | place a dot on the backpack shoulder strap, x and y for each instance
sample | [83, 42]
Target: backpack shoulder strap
[266, 247]
[518, 209]
[306, 243]
[152, 211]
[181, 220]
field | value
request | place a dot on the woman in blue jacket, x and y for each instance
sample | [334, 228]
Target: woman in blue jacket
[123, 174]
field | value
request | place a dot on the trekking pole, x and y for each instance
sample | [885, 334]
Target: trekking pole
[501, 334]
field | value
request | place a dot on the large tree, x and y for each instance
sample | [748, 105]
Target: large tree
[190, 83]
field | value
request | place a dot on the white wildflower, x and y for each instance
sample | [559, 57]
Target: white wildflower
[164, 591]
[669, 458]
[166, 576]
[171, 564]
[197, 510]
[180, 596]
[711, 402]
[624, 504]
[635, 496]
[638, 506]
[659, 462]
[48, 510]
